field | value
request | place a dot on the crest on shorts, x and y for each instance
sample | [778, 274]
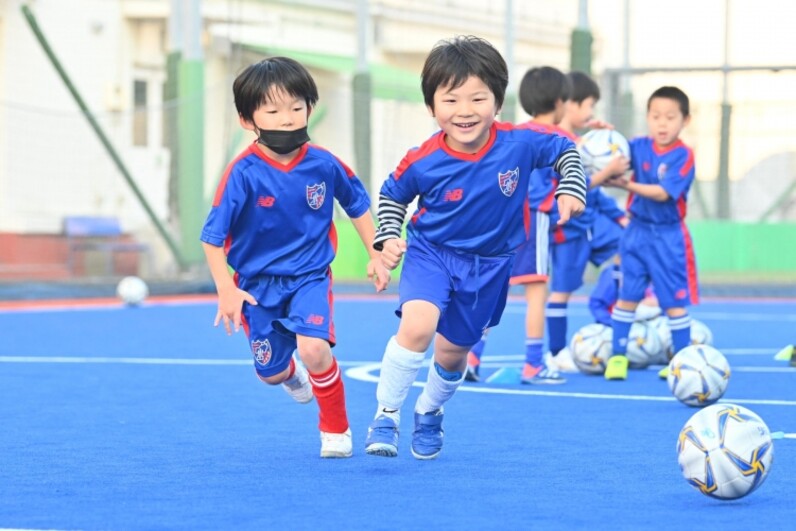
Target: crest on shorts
[662, 171]
[261, 348]
[508, 181]
[315, 195]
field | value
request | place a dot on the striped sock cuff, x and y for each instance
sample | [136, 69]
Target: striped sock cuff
[679, 323]
[623, 316]
[555, 309]
[328, 378]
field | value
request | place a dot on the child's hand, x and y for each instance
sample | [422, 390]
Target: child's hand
[617, 181]
[392, 252]
[230, 303]
[568, 206]
[617, 165]
[379, 274]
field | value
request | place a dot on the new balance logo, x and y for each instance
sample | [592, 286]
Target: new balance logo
[453, 195]
[266, 201]
[315, 319]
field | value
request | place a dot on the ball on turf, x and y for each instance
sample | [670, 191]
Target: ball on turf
[698, 375]
[132, 290]
[725, 451]
[591, 347]
[661, 326]
[700, 333]
[599, 146]
[643, 345]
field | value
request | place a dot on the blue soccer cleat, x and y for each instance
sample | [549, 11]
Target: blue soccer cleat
[382, 437]
[427, 437]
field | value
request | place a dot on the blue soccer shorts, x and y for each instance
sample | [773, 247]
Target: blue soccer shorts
[286, 307]
[569, 263]
[470, 291]
[663, 255]
[531, 263]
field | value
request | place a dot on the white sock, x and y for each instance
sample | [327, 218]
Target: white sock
[399, 368]
[436, 392]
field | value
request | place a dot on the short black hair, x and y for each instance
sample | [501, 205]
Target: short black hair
[583, 87]
[541, 88]
[672, 93]
[255, 84]
[452, 61]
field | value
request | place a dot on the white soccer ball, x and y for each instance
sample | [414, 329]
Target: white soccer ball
[661, 326]
[698, 375]
[700, 333]
[643, 345]
[591, 347]
[599, 146]
[132, 290]
[725, 451]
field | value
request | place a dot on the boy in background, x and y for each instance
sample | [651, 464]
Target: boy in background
[657, 246]
[271, 221]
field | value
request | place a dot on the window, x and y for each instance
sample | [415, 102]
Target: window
[140, 112]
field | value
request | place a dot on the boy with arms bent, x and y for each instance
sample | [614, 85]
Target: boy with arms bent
[656, 246]
[471, 181]
[271, 221]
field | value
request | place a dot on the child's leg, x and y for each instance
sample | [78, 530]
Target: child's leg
[535, 294]
[327, 383]
[680, 326]
[556, 316]
[445, 375]
[404, 355]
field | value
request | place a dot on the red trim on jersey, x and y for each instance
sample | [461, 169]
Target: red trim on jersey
[690, 265]
[682, 207]
[473, 157]
[349, 172]
[527, 279]
[417, 216]
[689, 162]
[222, 184]
[526, 217]
[332, 338]
[426, 148]
[547, 204]
[278, 165]
[548, 129]
[333, 236]
[630, 195]
[558, 234]
[660, 150]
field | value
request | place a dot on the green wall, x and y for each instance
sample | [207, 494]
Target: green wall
[724, 251]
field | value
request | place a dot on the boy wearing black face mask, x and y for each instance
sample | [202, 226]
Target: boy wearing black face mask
[271, 221]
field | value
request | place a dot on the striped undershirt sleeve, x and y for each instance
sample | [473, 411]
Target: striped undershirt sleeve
[573, 181]
[391, 219]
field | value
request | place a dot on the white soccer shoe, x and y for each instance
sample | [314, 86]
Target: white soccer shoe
[299, 386]
[562, 362]
[335, 445]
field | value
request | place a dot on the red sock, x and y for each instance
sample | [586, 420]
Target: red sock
[330, 394]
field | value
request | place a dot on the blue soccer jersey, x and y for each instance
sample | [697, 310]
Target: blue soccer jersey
[476, 203]
[275, 219]
[672, 168]
[541, 195]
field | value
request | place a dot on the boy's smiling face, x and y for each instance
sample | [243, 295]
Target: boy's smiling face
[465, 114]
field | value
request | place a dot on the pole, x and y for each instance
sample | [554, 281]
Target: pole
[580, 49]
[508, 113]
[362, 95]
[723, 181]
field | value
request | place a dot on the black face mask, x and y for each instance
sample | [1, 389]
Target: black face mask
[283, 142]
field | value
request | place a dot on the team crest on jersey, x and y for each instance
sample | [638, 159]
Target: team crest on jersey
[662, 171]
[262, 351]
[508, 181]
[316, 195]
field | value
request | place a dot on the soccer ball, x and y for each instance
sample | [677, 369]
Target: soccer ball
[643, 345]
[599, 146]
[591, 347]
[725, 451]
[132, 291]
[700, 333]
[698, 375]
[661, 326]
